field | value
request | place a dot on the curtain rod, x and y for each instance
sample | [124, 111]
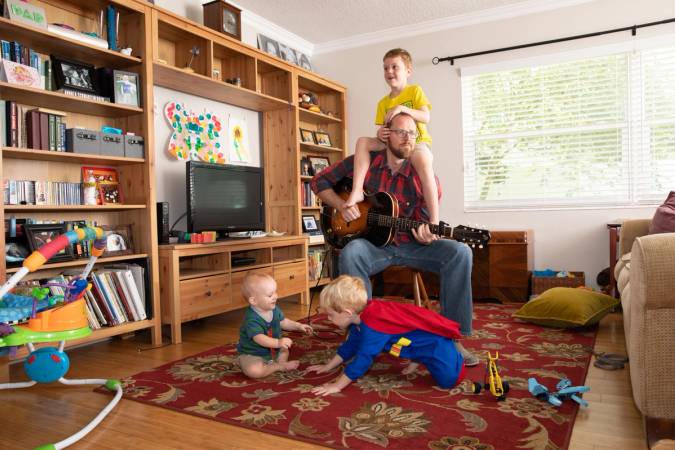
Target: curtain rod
[633, 29]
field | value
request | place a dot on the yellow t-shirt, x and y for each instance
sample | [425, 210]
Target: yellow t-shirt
[411, 96]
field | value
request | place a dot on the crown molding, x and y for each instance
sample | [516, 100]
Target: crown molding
[274, 31]
[445, 23]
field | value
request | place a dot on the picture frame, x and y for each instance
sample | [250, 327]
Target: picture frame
[287, 54]
[307, 136]
[126, 88]
[119, 240]
[303, 61]
[268, 45]
[305, 167]
[318, 163]
[75, 75]
[39, 234]
[107, 183]
[322, 138]
[309, 224]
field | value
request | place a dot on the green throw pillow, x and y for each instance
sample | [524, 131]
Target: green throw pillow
[566, 308]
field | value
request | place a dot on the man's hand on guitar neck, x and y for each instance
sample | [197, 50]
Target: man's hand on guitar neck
[423, 235]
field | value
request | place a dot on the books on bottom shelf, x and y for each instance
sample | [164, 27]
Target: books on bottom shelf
[117, 294]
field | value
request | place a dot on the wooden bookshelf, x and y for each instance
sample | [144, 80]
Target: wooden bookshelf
[319, 148]
[137, 175]
[317, 118]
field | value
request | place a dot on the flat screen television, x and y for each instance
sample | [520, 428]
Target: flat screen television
[224, 198]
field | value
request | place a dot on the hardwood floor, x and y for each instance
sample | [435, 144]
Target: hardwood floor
[42, 414]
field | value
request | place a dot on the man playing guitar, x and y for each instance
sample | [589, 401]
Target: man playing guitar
[391, 171]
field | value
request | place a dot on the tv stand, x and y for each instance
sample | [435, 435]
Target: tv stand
[206, 279]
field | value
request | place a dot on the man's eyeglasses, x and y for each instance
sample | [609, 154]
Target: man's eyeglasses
[403, 133]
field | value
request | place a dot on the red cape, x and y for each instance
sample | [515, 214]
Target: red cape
[398, 318]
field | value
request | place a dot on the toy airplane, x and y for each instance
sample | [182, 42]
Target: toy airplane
[565, 391]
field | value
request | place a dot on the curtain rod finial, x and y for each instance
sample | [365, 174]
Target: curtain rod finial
[434, 60]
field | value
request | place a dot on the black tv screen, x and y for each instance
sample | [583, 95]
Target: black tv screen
[224, 198]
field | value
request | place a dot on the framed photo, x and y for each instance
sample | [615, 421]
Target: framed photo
[287, 54]
[305, 167]
[307, 136]
[39, 234]
[309, 224]
[322, 139]
[303, 61]
[118, 240]
[126, 88]
[268, 45]
[74, 75]
[107, 183]
[318, 163]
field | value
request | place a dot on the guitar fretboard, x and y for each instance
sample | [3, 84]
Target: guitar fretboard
[406, 224]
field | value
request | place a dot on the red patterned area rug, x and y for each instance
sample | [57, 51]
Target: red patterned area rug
[385, 409]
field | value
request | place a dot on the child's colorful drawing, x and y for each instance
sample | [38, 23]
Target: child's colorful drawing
[238, 136]
[196, 136]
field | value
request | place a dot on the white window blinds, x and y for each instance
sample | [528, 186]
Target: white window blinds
[594, 131]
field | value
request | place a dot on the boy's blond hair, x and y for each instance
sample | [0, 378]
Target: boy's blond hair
[403, 54]
[344, 292]
[250, 281]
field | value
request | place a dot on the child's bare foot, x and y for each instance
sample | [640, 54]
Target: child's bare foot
[355, 197]
[410, 368]
[289, 365]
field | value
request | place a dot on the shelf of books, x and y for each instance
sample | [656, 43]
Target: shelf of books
[322, 139]
[75, 123]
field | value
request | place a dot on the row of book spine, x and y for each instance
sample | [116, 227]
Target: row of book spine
[315, 262]
[116, 296]
[307, 195]
[36, 128]
[31, 192]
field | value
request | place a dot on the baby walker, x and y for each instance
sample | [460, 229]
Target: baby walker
[51, 319]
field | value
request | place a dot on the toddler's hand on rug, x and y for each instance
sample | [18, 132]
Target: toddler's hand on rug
[326, 389]
[285, 343]
[410, 368]
[307, 329]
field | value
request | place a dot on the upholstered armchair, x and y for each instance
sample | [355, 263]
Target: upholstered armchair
[645, 277]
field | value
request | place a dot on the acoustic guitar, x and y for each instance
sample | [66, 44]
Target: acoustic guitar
[379, 223]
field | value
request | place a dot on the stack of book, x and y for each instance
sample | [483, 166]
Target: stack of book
[307, 195]
[36, 128]
[18, 53]
[117, 295]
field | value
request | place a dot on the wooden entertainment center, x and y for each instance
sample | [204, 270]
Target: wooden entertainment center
[205, 279]
[162, 42]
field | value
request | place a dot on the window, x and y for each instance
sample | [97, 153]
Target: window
[595, 131]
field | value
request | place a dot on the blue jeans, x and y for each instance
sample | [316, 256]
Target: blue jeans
[449, 259]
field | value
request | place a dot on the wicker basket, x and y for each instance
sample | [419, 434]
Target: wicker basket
[541, 284]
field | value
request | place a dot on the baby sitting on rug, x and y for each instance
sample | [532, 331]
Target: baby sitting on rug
[262, 350]
[404, 330]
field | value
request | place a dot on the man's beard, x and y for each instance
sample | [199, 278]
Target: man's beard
[403, 152]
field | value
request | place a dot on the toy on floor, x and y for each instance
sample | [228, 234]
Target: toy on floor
[492, 381]
[565, 391]
[52, 319]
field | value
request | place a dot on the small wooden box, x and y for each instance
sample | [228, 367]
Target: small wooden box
[541, 284]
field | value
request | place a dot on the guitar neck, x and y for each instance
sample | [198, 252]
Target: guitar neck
[406, 224]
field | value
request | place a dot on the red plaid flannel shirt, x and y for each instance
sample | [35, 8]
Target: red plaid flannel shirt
[404, 185]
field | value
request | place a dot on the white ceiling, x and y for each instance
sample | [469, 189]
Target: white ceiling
[322, 21]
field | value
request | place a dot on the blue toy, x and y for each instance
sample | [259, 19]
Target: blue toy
[565, 391]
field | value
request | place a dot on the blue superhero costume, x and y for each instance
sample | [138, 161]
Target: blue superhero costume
[407, 331]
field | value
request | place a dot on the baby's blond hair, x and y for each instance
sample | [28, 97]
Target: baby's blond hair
[250, 282]
[344, 292]
[403, 54]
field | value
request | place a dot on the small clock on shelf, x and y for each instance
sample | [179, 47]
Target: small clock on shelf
[223, 17]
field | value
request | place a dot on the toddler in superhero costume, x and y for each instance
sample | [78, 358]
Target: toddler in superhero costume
[404, 330]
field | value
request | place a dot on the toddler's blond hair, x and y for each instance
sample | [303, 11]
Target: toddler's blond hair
[403, 54]
[250, 281]
[344, 292]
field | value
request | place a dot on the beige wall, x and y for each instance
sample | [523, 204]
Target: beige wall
[564, 239]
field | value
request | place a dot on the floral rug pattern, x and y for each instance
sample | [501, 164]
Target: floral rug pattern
[385, 409]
